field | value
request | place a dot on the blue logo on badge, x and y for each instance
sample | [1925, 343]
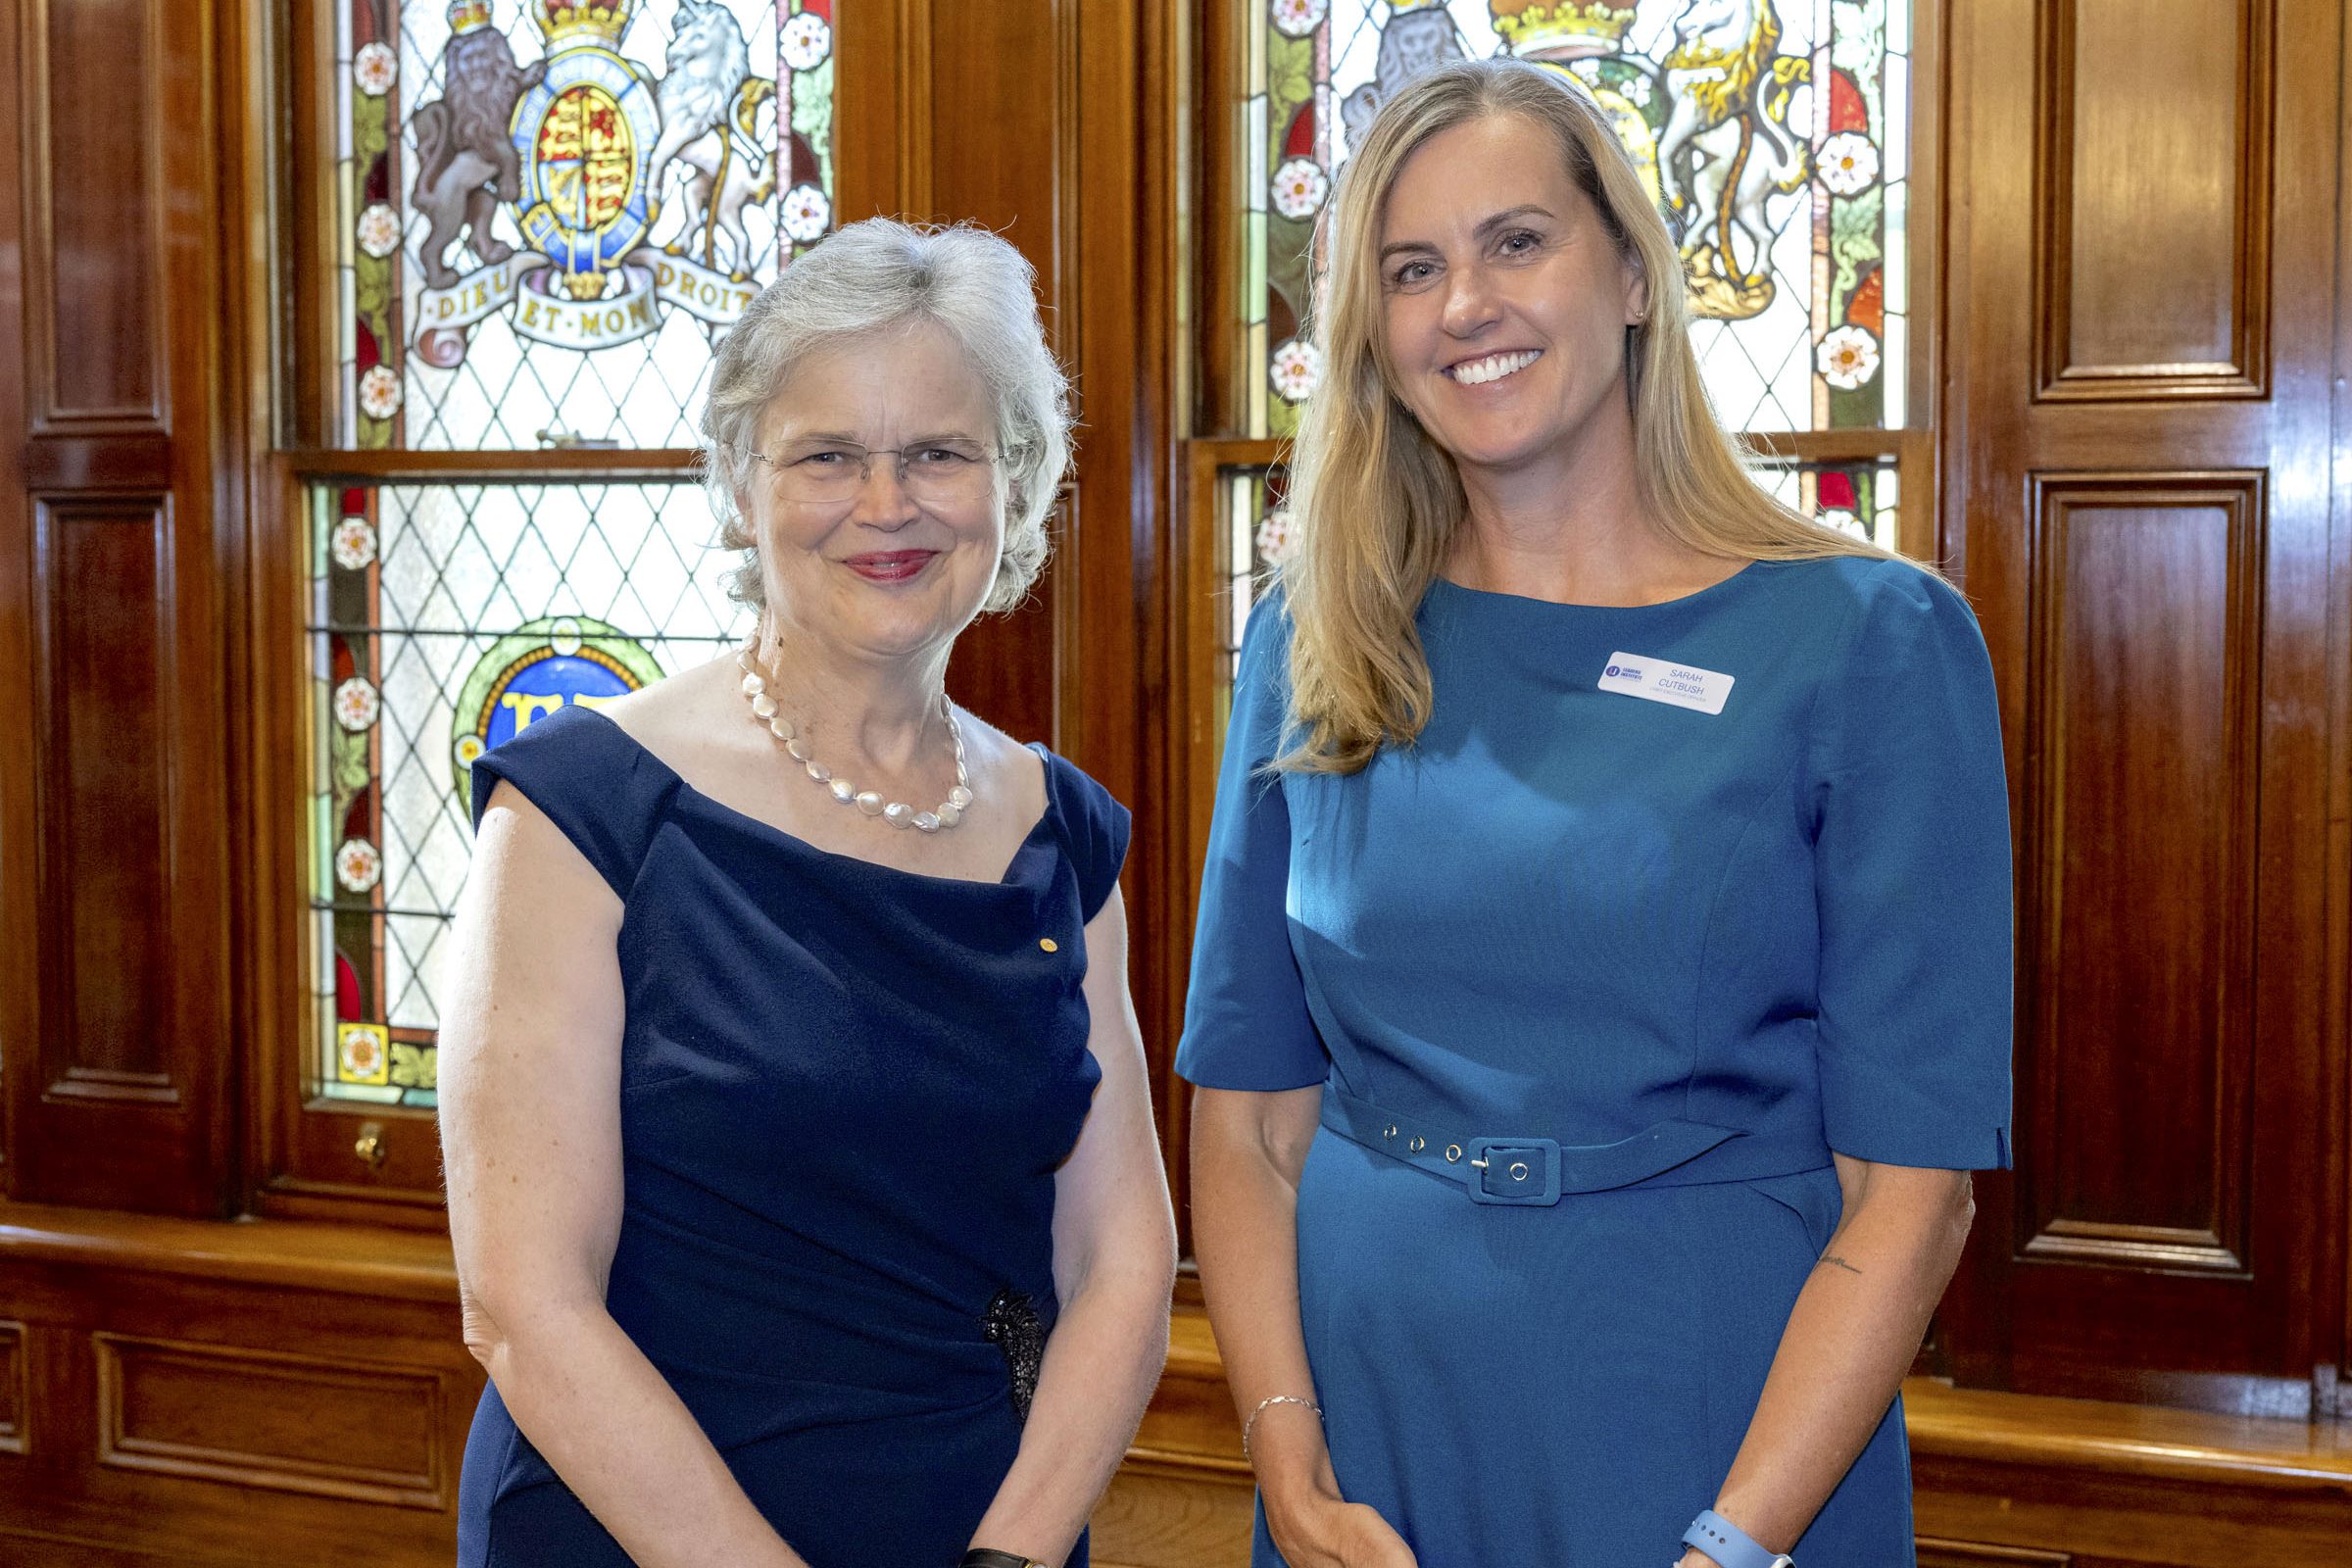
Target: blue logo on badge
[1611, 671]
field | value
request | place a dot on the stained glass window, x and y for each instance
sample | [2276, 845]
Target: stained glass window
[548, 214]
[1773, 133]
[550, 206]
[444, 618]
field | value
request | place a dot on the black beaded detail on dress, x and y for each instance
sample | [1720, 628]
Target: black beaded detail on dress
[1014, 1327]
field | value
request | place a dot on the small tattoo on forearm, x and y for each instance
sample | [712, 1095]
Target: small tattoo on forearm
[1832, 1261]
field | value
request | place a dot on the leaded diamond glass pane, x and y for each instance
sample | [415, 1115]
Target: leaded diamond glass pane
[443, 620]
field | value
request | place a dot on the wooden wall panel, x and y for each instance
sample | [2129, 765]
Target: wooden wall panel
[2153, 204]
[131, 1005]
[1006, 67]
[233, 1400]
[13, 1400]
[116, 1044]
[93, 258]
[2146, 688]
[268, 1419]
[2139, 321]
[105, 645]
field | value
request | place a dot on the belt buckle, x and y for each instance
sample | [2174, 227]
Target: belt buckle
[1518, 1172]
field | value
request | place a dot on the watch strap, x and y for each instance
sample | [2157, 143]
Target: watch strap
[989, 1557]
[1729, 1545]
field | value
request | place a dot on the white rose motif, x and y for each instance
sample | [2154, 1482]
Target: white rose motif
[1844, 522]
[379, 230]
[379, 393]
[1299, 186]
[353, 544]
[1635, 90]
[356, 704]
[1848, 163]
[375, 67]
[362, 1053]
[806, 214]
[1296, 368]
[806, 41]
[1848, 355]
[358, 866]
[1296, 19]
[1276, 537]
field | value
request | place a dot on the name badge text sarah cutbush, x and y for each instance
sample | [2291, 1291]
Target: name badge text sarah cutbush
[1660, 680]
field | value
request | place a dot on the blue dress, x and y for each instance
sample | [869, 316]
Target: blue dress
[1662, 962]
[845, 1091]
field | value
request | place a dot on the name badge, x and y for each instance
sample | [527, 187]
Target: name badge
[1659, 680]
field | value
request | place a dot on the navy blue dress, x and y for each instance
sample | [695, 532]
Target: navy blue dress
[845, 1091]
[1664, 962]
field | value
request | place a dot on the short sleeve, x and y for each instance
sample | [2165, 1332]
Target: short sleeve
[1095, 828]
[1246, 1019]
[603, 791]
[1910, 808]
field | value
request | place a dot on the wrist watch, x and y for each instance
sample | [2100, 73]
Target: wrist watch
[1729, 1545]
[984, 1557]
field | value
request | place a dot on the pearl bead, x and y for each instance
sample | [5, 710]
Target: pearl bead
[870, 802]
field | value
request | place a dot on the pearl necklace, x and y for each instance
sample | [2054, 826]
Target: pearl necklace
[898, 813]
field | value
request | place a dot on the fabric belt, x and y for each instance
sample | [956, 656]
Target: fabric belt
[1537, 1171]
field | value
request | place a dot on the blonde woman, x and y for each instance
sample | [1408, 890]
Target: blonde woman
[1602, 985]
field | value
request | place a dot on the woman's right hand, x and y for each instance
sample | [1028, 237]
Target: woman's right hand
[1326, 1531]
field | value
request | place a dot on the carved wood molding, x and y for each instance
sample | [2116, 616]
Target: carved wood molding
[360, 1434]
[2130, 276]
[2144, 665]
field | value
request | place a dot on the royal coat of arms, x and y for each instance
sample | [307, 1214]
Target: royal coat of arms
[1705, 120]
[588, 152]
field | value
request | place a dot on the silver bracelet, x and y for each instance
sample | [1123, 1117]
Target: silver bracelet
[1250, 1425]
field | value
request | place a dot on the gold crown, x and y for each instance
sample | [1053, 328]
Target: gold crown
[1560, 28]
[583, 20]
[468, 16]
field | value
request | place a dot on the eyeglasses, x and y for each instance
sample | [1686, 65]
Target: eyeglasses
[820, 472]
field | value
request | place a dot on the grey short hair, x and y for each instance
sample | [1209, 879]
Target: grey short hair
[879, 275]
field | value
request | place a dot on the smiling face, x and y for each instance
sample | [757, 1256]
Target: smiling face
[882, 568]
[1505, 300]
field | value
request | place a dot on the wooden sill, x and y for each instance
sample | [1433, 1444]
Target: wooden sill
[1191, 1423]
[300, 1254]
[2140, 1441]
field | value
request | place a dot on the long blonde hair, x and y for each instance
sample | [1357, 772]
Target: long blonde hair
[1378, 503]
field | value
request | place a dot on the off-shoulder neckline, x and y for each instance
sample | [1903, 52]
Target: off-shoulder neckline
[761, 827]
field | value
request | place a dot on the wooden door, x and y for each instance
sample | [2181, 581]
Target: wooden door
[2137, 457]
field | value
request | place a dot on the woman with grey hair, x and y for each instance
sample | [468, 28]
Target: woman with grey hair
[800, 1162]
